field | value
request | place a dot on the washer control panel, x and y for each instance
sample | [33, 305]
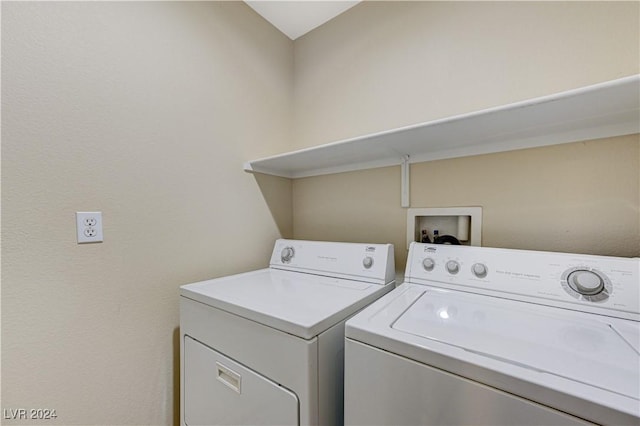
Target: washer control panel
[598, 284]
[364, 262]
[583, 282]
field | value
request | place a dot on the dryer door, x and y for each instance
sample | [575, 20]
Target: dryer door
[219, 391]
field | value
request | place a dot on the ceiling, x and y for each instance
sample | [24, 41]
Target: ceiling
[297, 17]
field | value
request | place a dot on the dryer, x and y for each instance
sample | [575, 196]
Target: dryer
[489, 336]
[267, 347]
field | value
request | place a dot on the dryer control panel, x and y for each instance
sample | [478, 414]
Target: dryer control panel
[597, 284]
[363, 262]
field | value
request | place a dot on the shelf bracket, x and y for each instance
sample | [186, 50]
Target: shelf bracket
[404, 182]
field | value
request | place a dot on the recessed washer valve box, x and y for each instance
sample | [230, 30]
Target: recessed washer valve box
[448, 225]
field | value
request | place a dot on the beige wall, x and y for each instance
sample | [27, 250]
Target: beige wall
[144, 111]
[578, 197]
[388, 64]
[383, 65]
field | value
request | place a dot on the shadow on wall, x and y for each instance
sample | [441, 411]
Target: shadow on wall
[176, 376]
[278, 194]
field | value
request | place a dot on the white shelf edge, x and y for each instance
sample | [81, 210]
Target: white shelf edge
[623, 112]
[534, 142]
[385, 162]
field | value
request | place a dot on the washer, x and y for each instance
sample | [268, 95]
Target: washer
[495, 337]
[267, 347]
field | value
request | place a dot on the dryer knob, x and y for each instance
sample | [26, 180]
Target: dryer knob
[287, 254]
[428, 264]
[367, 262]
[479, 270]
[453, 267]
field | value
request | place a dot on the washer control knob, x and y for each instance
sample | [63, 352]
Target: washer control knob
[428, 264]
[585, 282]
[453, 267]
[287, 254]
[367, 262]
[479, 270]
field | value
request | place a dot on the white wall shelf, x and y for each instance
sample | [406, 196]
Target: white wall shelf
[602, 110]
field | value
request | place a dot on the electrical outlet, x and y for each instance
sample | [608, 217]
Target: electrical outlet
[89, 227]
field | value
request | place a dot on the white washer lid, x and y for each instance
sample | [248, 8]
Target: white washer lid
[585, 349]
[297, 303]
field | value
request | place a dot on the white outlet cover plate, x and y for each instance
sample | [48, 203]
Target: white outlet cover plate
[87, 232]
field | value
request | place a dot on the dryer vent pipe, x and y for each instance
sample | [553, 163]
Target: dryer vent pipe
[463, 227]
